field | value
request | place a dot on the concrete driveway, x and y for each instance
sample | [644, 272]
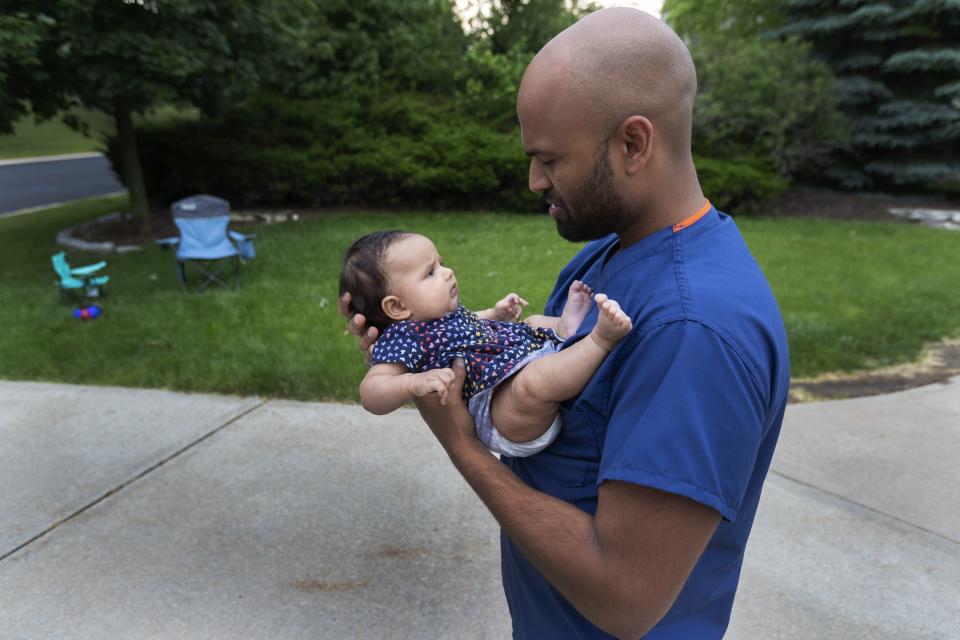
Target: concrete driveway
[149, 514]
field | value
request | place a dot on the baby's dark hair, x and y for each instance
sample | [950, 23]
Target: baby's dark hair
[362, 275]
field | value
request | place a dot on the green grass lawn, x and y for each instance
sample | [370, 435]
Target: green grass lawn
[53, 137]
[854, 295]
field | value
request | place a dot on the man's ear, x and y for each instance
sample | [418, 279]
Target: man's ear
[636, 135]
[394, 308]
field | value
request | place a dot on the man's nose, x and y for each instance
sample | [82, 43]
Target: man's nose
[537, 180]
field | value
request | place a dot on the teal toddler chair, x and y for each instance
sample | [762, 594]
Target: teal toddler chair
[78, 282]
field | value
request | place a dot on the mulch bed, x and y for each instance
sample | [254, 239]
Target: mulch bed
[128, 232]
[841, 205]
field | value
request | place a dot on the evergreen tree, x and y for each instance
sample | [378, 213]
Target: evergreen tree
[898, 64]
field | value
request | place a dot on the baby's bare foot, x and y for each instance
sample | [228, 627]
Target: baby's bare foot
[612, 323]
[576, 309]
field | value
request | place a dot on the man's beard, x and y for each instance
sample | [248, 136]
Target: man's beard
[595, 210]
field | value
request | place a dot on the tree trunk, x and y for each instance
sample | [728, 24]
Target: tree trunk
[130, 161]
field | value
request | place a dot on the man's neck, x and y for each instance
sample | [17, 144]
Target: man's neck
[660, 215]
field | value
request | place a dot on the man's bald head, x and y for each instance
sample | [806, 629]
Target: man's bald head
[616, 63]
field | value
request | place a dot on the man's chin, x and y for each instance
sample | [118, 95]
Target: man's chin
[574, 233]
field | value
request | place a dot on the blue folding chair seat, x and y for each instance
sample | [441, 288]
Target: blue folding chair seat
[207, 252]
[78, 282]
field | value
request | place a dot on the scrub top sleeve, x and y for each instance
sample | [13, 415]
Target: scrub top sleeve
[686, 417]
[400, 345]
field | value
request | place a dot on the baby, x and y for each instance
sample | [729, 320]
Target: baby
[398, 282]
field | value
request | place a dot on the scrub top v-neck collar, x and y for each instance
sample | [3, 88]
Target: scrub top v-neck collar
[615, 259]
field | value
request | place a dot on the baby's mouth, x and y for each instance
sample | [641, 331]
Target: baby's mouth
[453, 291]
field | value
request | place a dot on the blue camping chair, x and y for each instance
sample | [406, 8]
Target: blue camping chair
[78, 282]
[207, 252]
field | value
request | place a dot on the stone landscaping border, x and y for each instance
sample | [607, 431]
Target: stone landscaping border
[65, 237]
[939, 218]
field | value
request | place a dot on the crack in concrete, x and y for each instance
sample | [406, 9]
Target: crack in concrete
[130, 481]
[879, 512]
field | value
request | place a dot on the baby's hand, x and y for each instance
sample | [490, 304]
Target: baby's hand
[510, 308]
[436, 381]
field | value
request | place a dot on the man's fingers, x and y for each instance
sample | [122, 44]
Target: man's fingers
[343, 305]
[459, 372]
[356, 323]
[367, 339]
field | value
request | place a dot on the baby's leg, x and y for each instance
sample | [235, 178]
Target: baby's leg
[524, 406]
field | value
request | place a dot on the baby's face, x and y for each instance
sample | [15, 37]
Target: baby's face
[417, 276]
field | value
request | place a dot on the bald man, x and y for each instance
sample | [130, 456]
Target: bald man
[634, 521]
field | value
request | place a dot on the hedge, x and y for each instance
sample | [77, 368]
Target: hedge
[399, 151]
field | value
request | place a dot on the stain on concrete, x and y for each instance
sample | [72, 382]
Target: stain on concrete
[402, 553]
[311, 585]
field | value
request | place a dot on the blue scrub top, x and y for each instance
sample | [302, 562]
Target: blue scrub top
[690, 402]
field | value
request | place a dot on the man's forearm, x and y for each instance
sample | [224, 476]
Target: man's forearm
[622, 568]
[559, 540]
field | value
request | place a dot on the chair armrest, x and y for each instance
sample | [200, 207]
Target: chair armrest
[240, 237]
[87, 270]
[166, 243]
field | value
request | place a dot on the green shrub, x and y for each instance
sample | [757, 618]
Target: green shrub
[739, 186]
[404, 149]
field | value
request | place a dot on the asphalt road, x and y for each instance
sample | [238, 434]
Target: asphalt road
[33, 184]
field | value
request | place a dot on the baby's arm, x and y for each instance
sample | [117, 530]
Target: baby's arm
[387, 386]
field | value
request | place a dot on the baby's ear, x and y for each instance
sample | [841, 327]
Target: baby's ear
[394, 308]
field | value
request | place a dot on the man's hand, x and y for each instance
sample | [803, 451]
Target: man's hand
[451, 423]
[356, 324]
[510, 308]
[438, 381]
